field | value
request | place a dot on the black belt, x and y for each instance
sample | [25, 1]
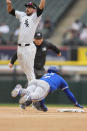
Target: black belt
[23, 45]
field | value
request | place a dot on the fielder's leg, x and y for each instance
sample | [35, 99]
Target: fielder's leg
[39, 91]
[26, 57]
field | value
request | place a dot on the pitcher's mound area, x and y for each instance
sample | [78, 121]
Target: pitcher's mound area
[16, 119]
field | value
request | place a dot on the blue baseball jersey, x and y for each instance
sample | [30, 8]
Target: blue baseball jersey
[55, 81]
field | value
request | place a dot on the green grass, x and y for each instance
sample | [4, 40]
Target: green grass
[49, 105]
[56, 105]
[9, 105]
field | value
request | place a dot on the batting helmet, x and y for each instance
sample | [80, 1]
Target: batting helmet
[52, 69]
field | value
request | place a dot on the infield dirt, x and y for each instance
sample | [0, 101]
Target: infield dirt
[16, 119]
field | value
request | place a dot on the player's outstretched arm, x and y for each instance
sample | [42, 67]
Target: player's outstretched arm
[9, 5]
[42, 4]
[54, 48]
[13, 59]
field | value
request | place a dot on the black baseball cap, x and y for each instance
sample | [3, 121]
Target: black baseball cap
[31, 4]
[38, 35]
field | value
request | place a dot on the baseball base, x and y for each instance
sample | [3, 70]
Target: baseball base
[70, 110]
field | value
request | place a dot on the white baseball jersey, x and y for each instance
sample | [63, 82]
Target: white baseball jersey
[28, 25]
[27, 49]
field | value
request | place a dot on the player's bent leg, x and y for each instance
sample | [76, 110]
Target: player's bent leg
[30, 89]
[38, 95]
[39, 91]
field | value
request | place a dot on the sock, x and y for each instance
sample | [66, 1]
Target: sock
[43, 106]
[42, 102]
[70, 96]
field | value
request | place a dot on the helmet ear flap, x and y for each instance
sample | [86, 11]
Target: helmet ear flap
[52, 69]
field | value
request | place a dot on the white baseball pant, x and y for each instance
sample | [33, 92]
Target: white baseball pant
[38, 90]
[26, 55]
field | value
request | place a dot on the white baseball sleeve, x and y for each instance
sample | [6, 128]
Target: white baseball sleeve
[19, 14]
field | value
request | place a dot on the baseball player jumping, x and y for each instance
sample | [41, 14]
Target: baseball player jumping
[28, 23]
[39, 89]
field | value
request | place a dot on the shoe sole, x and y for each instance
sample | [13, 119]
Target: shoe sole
[14, 93]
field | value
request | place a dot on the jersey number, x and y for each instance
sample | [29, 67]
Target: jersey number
[48, 75]
[26, 23]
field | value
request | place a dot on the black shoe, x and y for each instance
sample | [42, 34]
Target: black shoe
[39, 106]
[44, 108]
[24, 105]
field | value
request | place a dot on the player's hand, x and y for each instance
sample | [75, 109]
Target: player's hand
[10, 65]
[59, 54]
[8, 1]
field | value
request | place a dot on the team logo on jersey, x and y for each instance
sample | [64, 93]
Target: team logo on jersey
[44, 49]
[26, 23]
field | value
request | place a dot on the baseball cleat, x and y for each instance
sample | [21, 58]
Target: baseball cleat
[44, 108]
[23, 106]
[16, 91]
[25, 98]
[39, 106]
[26, 104]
